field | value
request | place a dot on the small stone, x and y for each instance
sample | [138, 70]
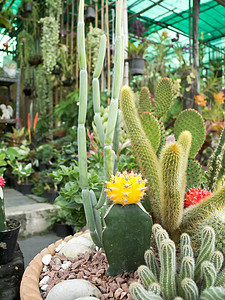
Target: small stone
[82, 241]
[44, 287]
[46, 259]
[60, 246]
[44, 280]
[73, 289]
[56, 268]
[57, 261]
[87, 298]
[118, 293]
[66, 265]
[72, 250]
[45, 269]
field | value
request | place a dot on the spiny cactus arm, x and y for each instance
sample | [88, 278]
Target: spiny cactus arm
[144, 101]
[213, 293]
[155, 288]
[146, 275]
[187, 250]
[143, 151]
[160, 235]
[88, 208]
[171, 163]
[200, 211]
[81, 37]
[217, 260]
[192, 121]
[206, 249]
[187, 268]
[194, 174]
[213, 171]
[100, 60]
[151, 128]
[163, 97]
[222, 169]
[97, 217]
[178, 298]
[208, 274]
[214, 165]
[162, 136]
[139, 293]
[220, 280]
[2, 212]
[167, 256]
[151, 262]
[190, 289]
[184, 240]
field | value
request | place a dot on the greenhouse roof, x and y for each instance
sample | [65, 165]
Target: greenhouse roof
[174, 15]
[170, 14]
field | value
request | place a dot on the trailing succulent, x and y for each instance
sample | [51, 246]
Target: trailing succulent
[171, 169]
[202, 278]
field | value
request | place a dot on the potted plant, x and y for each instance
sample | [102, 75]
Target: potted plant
[136, 59]
[45, 155]
[23, 171]
[90, 14]
[59, 221]
[9, 230]
[35, 60]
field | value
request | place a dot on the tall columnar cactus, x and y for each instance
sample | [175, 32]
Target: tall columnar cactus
[2, 208]
[186, 282]
[127, 234]
[91, 204]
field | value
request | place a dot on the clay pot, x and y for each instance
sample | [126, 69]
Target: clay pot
[29, 288]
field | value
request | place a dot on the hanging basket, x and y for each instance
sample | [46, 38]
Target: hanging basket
[136, 66]
[35, 60]
[90, 14]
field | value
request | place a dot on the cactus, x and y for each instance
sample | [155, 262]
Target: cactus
[2, 208]
[144, 101]
[209, 285]
[215, 170]
[127, 234]
[192, 121]
[95, 209]
[194, 174]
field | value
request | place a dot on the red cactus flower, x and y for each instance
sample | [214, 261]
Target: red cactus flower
[2, 182]
[194, 196]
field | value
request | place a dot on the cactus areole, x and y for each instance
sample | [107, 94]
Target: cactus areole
[127, 234]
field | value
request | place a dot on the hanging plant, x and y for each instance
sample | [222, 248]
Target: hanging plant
[49, 42]
[54, 8]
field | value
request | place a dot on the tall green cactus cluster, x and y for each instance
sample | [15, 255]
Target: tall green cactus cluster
[95, 209]
[201, 279]
[172, 170]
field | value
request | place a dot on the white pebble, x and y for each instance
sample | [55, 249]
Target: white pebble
[57, 261]
[60, 246]
[44, 280]
[66, 265]
[44, 287]
[45, 269]
[46, 259]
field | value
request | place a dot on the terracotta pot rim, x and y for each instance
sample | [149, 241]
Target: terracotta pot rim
[29, 288]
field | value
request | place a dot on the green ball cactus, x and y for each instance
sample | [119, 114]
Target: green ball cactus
[192, 121]
[127, 232]
[182, 283]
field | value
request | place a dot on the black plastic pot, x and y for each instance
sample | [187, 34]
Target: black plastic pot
[25, 188]
[35, 60]
[63, 230]
[218, 73]
[51, 195]
[57, 69]
[8, 240]
[68, 81]
[27, 91]
[28, 6]
[136, 66]
[90, 14]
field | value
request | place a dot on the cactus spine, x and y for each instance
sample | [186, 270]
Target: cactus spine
[187, 285]
[91, 205]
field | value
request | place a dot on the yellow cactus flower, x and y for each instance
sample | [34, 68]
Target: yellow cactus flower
[200, 99]
[126, 188]
[219, 97]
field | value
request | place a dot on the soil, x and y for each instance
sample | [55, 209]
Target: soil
[92, 267]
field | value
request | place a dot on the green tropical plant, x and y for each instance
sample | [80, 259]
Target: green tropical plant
[139, 50]
[46, 153]
[201, 279]
[22, 171]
